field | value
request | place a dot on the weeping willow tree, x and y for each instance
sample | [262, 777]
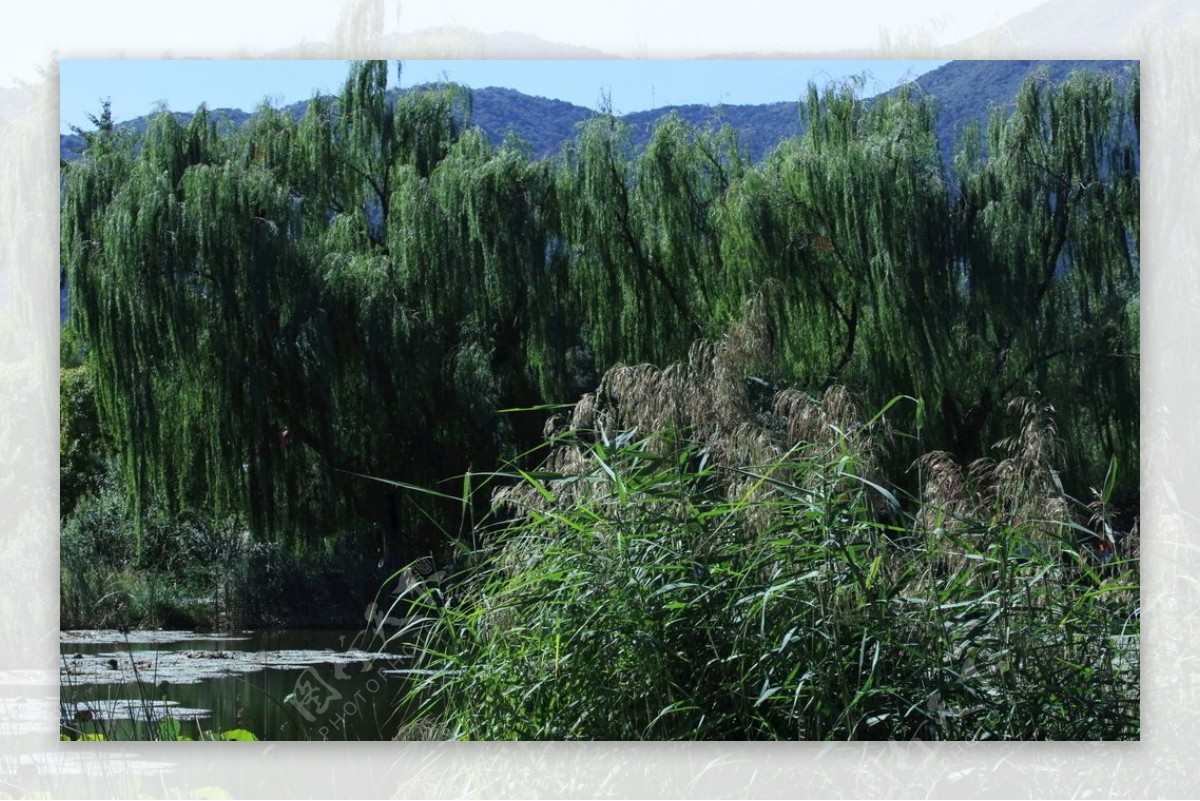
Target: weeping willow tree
[275, 313]
[1047, 228]
[644, 233]
[848, 229]
[1017, 275]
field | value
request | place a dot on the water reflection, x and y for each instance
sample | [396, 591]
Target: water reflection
[281, 685]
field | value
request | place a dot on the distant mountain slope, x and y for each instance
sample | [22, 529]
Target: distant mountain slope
[964, 91]
[967, 91]
[759, 127]
[70, 146]
[544, 123]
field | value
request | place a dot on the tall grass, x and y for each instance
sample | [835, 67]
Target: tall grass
[689, 566]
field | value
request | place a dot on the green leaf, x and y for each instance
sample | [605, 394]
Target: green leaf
[169, 730]
[888, 496]
[1110, 480]
[766, 692]
[239, 734]
[400, 484]
[537, 485]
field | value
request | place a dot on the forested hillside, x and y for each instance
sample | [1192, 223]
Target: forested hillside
[354, 326]
[963, 91]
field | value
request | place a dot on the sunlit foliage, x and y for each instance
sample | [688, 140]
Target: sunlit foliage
[272, 314]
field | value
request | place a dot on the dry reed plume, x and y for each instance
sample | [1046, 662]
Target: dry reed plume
[711, 403]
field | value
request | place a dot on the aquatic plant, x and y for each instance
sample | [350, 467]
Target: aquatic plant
[688, 565]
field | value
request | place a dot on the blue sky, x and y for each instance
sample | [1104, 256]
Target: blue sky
[135, 87]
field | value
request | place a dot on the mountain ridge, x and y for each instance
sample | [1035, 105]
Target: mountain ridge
[963, 91]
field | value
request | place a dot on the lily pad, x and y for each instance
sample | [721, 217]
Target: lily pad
[139, 637]
[132, 709]
[194, 666]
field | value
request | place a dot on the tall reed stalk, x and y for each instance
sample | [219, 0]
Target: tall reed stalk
[687, 564]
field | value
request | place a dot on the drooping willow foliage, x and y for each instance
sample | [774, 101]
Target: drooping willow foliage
[274, 310]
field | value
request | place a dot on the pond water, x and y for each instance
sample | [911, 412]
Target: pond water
[279, 685]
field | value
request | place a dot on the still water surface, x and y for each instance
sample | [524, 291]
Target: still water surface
[280, 685]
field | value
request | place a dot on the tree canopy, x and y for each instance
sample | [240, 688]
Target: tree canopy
[274, 313]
